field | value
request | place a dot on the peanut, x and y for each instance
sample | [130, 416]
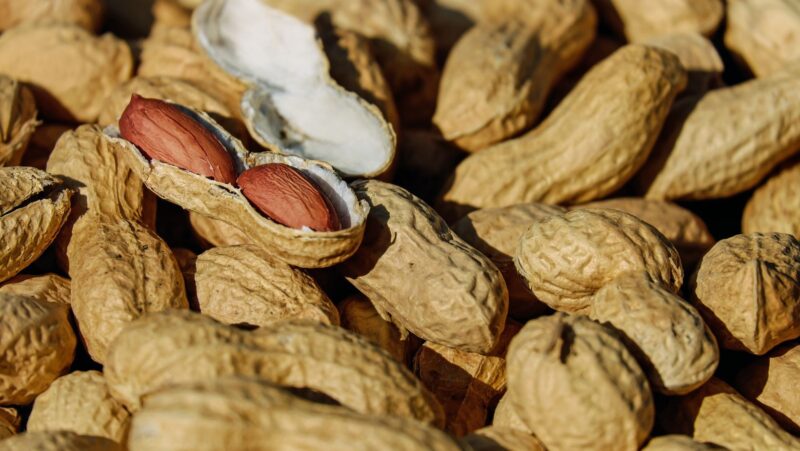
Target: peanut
[463, 297]
[17, 120]
[246, 286]
[253, 415]
[81, 403]
[697, 55]
[493, 438]
[576, 386]
[165, 133]
[567, 258]
[37, 346]
[763, 33]
[506, 417]
[638, 20]
[769, 382]
[589, 146]
[677, 443]
[717, 414]
[9, 422]
[213, 232]
[47, 287]
[87, 14]
[191, 347]
[748, 290]
[288, 197]
[89, 67]
[773, 207]
[496, 232]
[58, 441]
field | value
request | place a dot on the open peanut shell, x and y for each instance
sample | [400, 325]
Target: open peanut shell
[292, 105]
[303, 248]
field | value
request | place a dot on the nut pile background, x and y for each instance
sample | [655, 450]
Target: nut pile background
[400, 224]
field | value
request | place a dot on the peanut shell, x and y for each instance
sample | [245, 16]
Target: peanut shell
[81, 403]
[589, 146]
[666, 334]
[17, 120]
[576, 386]
[253, 415]
[684, 229]
[302, 248]
[717, 414]
[190, 347]
[459, 298]
[493, 438]
[568, 258]
[763, 33]
[213, 232]
[497, 77]
[90, 67]
[33, 207]
[245, 285]
[37, 346]
[747, 288]
[677, 442]
[87, 14]
[9, 422]
[774, 205]
[770, 382]
[359, 315]
[506, 416]
[698, 56]
[639, 20]
[495, 232]
[47, 287]
[58, 441]
[726, 141]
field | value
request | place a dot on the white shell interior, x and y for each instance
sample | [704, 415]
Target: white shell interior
[292, 105]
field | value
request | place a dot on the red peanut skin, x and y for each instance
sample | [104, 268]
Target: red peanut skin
[165, 133]
[288, 197]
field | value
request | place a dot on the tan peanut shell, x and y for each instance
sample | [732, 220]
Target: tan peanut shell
[353, 65]
[589, 146]
[639, 20]
[9, 422]
[358, 315]
[33, 207]
[717, 414]
[190, 347]
[58, 441]
[775, 206]
[81, 403]
[493, 438]
[576, 386]
[763, 33]
[677, 442]
[458, 298]
[497, 77]
[173, 52]
[37, 345]
[770, 382]
[87, 14]
[568, 258]
[666, 334]
[244, 285]
[726, 141]
[684, 229]
[302, 248]
[495, 232]
[250, 414]
[184, 92]
[46, 287]
[747, 288]
[89, 68]
[213, 232]
[465, 383]
[697, 55]
[402, 42]
[17, 120]
[506, 416]
[170, 13]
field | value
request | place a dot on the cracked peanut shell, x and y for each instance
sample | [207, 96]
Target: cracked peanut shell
[568, 258]
[189, 347]
[458, 298]
[575, 384]
[747, 288]
[80, 402]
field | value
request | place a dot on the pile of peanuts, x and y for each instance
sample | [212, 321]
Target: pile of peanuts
[477, 225]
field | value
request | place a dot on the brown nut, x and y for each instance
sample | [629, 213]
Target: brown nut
[288, 197]
[165, 133]
[748, 290]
